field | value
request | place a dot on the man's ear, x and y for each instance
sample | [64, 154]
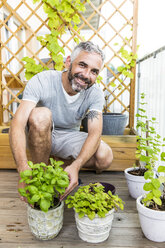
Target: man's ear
[68, 62]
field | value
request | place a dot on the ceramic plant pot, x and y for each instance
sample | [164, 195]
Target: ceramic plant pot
[108, 186]
[135, 184]
[152, 222]
[47, 225]
[114, 123]
[96, 230]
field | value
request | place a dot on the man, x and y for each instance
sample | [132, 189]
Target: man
[53, 105]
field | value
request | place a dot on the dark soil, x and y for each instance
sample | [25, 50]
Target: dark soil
[138, 172]
[157, 207]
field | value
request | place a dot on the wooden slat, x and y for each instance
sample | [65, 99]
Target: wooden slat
[120, 140]
[123, 153]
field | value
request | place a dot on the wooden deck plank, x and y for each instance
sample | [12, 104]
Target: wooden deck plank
[15, 233]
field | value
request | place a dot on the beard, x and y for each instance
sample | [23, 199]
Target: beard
[74, 84]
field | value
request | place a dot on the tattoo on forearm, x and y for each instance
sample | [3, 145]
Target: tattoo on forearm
[92, 115]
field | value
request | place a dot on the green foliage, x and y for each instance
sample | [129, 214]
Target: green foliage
[148, 142]
[91, 200]
[62, 15]
[44, 183]
[125, 70]
[130, 62]
[155, 194]
[32, 68]
[149, 151]
[99, 79]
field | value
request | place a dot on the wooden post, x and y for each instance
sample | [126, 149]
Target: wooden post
[1, 108]
[134, 49]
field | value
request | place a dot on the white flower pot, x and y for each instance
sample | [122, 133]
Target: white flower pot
[47, 225]
[152, 222]
[96, 230]
[135, 184]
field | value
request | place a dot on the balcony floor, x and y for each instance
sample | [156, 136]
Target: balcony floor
[15, 233]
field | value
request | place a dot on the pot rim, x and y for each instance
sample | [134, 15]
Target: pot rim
[131, 177]
[59, 206]
[96, 216]
[154, 214]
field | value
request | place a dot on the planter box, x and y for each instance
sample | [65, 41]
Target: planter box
[123, 147]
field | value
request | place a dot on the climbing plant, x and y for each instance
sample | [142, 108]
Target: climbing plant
[63, 16]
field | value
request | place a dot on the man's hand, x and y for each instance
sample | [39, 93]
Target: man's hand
[72, 171]
[22, 185]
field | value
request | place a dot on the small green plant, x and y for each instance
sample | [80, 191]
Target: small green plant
[44, 183]
[155, 199]
[91, 200]
[148, 140]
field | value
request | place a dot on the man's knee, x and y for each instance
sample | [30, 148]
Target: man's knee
[104, 157]
[40, 118]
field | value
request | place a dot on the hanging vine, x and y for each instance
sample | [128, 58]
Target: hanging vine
[63, 16]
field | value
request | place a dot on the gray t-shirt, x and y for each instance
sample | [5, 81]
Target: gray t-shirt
[45, 89]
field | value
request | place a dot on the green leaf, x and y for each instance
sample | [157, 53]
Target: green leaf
[81, 215]
[120, 68]
[26, 173]
[157, 201]
[47, 195]
[76, 19]
[35, 1]
[101, 214]
[148, 174]
[35, 198]
[63, 183]
[91, 215]
[50, 189]
[32, 189]
[163, 156]
[155, 182]
[53, 2]
[156, 193]
[144, 158]
[162, 179]
[161, 168]
[148, 186]
[44, 205]
[22, 192]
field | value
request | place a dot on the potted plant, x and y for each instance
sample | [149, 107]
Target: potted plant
[94, 211]
[148, 152]
[43, 186]
[151, 206]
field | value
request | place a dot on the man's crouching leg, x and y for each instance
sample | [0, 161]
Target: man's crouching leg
[39, 134]
[102, 159]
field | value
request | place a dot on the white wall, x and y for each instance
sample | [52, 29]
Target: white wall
[151, 20]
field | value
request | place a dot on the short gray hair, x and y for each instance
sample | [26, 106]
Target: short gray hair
[89, 47]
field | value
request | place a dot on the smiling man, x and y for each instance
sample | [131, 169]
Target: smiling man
[53, 106]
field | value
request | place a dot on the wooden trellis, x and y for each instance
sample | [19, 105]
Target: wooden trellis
[21, 22]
